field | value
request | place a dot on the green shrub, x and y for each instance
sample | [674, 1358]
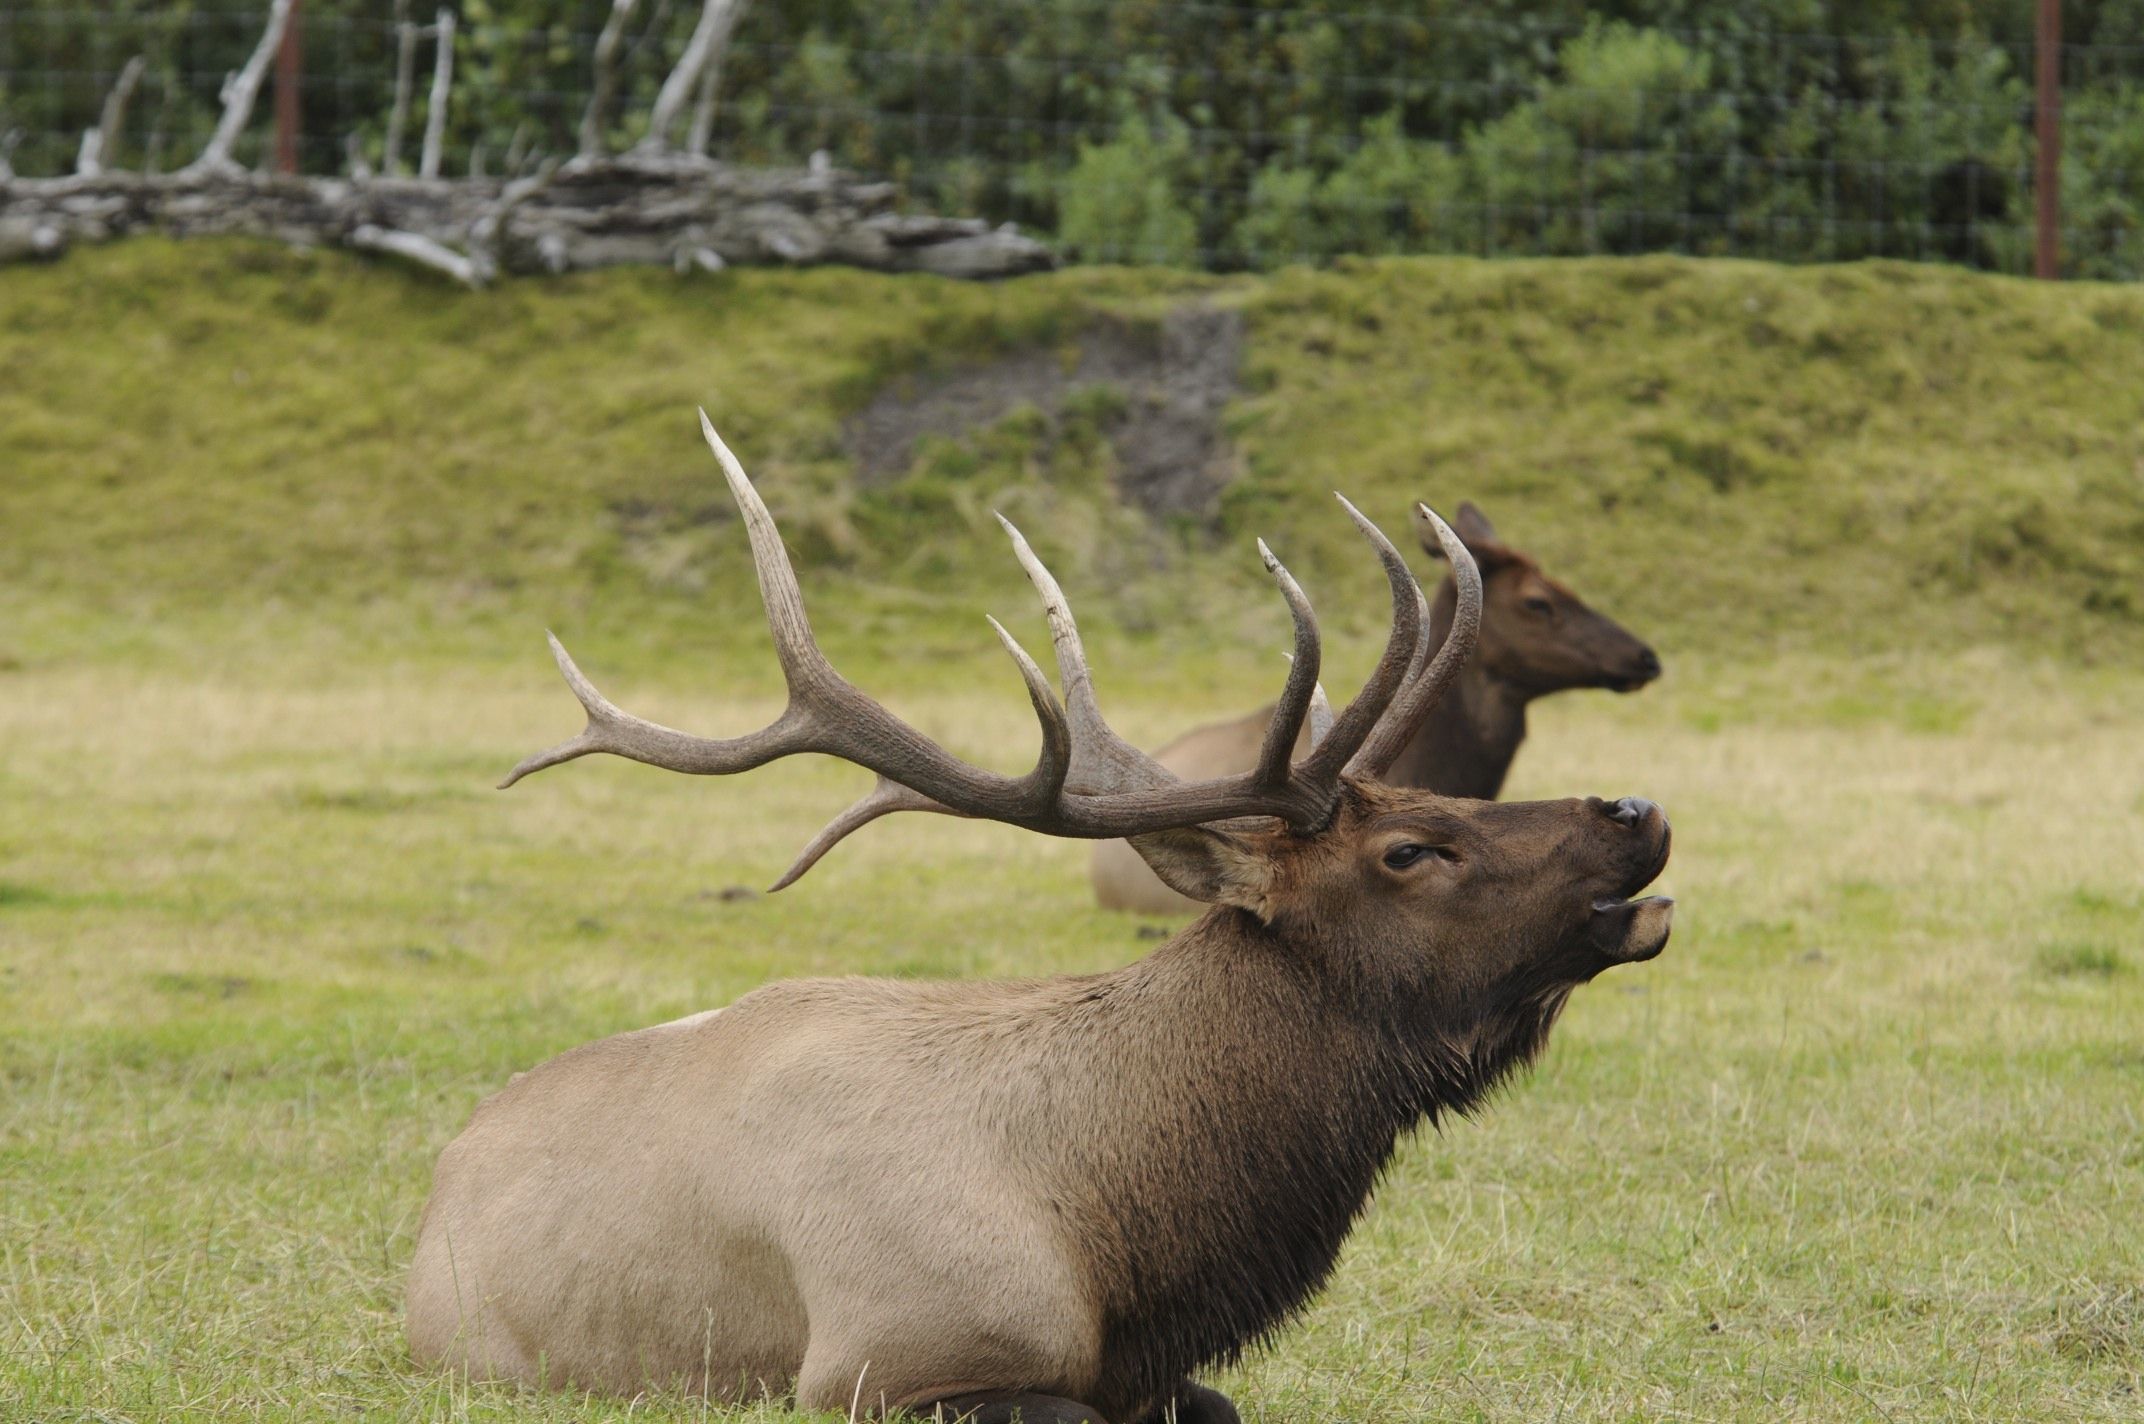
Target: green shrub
[1120, 201]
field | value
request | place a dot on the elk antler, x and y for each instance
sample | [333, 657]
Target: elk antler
[1424, 689]
[1088, 782]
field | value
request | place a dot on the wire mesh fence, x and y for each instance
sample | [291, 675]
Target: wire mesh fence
[1221, 135]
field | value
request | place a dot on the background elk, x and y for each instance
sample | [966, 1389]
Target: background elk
[1537, 637]
[1052, 1200]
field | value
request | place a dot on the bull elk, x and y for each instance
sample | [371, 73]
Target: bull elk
[1057, 1200]
[1537, 637]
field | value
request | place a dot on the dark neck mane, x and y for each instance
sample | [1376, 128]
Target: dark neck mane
[1255, 1101]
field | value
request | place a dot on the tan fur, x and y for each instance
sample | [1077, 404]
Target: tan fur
[734, 1202]
[893, 1193]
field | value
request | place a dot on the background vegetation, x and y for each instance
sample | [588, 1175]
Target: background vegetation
[1246, 136]
[278, 533]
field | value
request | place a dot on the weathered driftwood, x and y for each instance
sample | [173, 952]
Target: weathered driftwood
[90, 158]
[675, 210]
[239, 92]
[435, 109]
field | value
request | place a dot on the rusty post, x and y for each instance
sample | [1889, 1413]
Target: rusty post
[289, 69]
[2047, 126]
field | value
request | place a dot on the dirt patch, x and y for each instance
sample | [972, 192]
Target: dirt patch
[1172, 382]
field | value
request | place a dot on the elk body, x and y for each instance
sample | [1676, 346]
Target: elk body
[1537, 637]
[1054, 1200]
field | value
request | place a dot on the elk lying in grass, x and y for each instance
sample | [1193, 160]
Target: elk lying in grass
[1537, 637]
[1052, 1200]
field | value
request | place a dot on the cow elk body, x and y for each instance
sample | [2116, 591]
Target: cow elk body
[1537, 637]
[1053, 1200]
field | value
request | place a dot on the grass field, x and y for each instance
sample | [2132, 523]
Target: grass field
[1866, 1143]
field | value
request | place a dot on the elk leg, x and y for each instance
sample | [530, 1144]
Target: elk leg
[1006, 1409]
[1193, 1403]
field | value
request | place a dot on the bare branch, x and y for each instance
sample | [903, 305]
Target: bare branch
[405, 78]
[239, 92]
[435, 112]
[8, 143]
[703, 111]
[596, 116]
[710, 40]
[417, 248]
[104, 137]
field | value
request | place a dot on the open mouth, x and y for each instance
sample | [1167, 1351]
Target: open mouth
[1627, 929]
[1631, 930]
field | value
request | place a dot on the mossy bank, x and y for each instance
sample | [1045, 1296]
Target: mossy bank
[234, 447]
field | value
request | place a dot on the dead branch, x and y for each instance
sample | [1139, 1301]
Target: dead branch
[239, 92]
[703, 111]
[417, 248]
[435, 113]
[405, 78]
[105, 135]
[594, 118]
[710, 40]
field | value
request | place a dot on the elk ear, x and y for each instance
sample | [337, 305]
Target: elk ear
[1474, 530]
[1473, 527]
[1212, 867]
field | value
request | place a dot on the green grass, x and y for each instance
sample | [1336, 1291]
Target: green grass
[1864, 1144]
[295, 455]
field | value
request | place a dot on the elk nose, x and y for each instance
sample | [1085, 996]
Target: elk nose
[1648, 664]
[1632, 810]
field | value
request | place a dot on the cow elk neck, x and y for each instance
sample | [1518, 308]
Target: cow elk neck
[1059, 1199]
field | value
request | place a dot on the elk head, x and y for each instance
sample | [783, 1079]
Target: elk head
[1536, 634]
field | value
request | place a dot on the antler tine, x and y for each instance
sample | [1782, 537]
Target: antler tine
[1101, 760]
[613, 729]
[793, 642]
[1321, 709]
[1426, 689]
[1048, 777]
[1333, 753]
[1302, 685]
[1321, 715]
[885, 798]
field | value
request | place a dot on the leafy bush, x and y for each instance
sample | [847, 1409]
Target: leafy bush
[1119, 203]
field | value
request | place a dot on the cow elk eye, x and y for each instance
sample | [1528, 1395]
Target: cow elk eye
[1402, 856]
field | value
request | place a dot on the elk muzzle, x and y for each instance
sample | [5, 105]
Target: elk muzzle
[1626, 930]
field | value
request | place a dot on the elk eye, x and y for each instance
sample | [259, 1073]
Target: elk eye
[1539, 606]
[1402, 856]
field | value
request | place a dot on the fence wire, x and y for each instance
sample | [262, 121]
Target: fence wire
[1217, 135]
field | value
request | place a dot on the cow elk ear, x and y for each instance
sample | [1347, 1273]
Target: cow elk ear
[1212, 867]
[1473, 527]
[1474, 530]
